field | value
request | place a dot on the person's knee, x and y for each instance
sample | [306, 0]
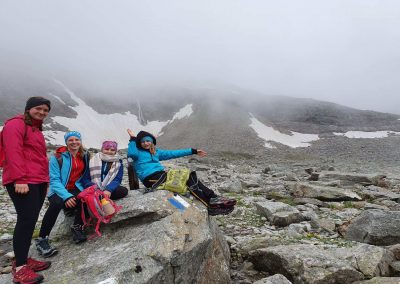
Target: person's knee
[120, 192]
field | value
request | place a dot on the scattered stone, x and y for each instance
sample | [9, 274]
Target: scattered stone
[6, 270]
[324, 193]
[10, 255]
[266, 170]
[311, 201]
[375, 192]
[370, 260]
[275, 279]
[381, 280]
[314, 177]
[309, 170]
[395, 266]
[395, 249]
[375, 227]
[278, 213]
[6, 237]
[304, 264]
[234, 186]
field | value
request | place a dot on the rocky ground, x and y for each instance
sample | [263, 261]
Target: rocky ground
[324, 214]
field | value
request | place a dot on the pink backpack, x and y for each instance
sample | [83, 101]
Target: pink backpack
[98, 206]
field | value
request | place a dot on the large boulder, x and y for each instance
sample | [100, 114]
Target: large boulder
[381, 280]
[304, 264]
[369, 260]
[323, 264]
[351, 178]
[279, 213]
[324, 193]
[375, 192]
[149, 241]
[375, 227]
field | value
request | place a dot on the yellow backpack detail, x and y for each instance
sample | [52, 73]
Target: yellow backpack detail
[176, 181]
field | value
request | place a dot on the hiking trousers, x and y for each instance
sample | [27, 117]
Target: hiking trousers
[27, 207]
[56, 203]
[119, 192]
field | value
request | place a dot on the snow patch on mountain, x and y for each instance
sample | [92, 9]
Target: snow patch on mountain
[367, 134]
[186, 111]
[58, 98]
[96, 127]
[294, 140]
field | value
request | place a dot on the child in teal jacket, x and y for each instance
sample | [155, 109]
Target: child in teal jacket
[147, 157]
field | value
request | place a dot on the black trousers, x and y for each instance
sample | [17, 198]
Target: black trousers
[27, 207]
[119, 192]
[198, 189]
[56, 203]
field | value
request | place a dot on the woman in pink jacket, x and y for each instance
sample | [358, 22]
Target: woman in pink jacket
[26, 176]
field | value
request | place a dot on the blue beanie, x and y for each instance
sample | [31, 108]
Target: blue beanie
[70, 134]
[148, 139]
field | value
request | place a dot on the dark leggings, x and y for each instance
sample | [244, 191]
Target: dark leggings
[56, 203]
[27, 207]
[119, 192]
[198, 189]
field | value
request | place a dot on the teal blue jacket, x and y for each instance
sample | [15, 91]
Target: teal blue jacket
[147, 164]
[59, 177]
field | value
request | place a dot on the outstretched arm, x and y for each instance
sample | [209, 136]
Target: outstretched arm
[201, 153]
[172, 154]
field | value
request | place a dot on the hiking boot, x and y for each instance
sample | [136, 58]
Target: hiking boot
[78, 235]
[35, 265]
[44, 248]
[26, 276]
[220, 211]
[221, 202]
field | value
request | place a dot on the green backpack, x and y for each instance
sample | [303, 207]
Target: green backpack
[176, 181]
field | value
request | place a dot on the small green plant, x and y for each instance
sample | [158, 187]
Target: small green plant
[332, 206]
[288, 201]
[348, 204]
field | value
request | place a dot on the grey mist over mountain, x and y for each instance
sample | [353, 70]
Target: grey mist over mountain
[217, 119]
[339, 51]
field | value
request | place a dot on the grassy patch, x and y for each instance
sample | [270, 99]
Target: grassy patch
[332, 206]
[348, 204]
[288, 201]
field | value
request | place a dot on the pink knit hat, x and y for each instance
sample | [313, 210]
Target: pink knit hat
[109, 145]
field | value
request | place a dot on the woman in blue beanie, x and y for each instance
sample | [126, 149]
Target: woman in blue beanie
[69, 175]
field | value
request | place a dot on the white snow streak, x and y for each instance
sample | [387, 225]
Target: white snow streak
[95, 127]
[183, 112]
[294, 140]
[364, 134]
[108, 281]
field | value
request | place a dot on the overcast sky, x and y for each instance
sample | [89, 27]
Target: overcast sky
[346, 52]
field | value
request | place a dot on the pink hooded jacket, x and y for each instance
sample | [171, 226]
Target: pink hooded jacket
[25, 152]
